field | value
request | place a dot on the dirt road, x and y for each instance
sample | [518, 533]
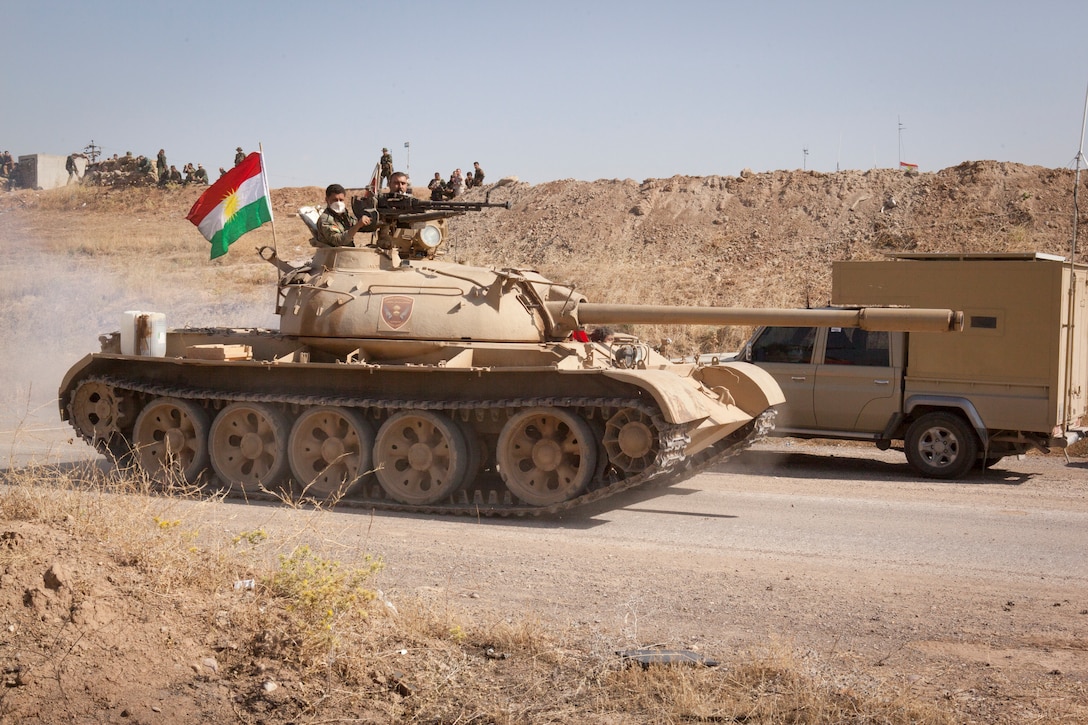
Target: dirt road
[971, 587]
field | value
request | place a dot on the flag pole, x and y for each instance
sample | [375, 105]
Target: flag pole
[264, 181]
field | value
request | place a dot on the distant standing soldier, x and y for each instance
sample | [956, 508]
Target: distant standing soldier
[437, 187]
[477, 174]
[239, 156]
[71, 167]
[387, 167]
[164, 170]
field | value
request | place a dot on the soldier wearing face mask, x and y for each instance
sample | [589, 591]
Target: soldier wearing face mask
[337, 225]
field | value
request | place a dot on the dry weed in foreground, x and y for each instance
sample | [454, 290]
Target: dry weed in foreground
[315, 621]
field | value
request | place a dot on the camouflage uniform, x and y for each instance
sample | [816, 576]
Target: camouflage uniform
[200, 176]
[478, 176]
[240, 156]
[164, 170]
[438, 189]
[332, 228]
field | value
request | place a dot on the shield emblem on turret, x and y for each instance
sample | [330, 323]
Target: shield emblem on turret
[396, 311]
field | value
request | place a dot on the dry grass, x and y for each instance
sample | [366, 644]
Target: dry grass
[317, 620]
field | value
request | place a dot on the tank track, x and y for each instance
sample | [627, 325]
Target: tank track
[670, 465]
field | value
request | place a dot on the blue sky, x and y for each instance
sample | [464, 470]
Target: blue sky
[548, 90]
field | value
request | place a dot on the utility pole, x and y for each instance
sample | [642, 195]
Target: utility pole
[901, 127]
[408, 159]
[92, 151]
[804, 164]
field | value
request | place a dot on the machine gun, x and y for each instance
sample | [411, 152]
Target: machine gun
[415, 228]
[405, 209]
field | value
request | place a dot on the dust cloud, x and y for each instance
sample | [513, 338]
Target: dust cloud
[55, 307]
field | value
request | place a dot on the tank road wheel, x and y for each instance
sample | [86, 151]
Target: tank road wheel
[249, 446]
[631, 441]
[941, 445]
[422, 457]
[330, 451]
[170, 440]
[97, 412]
[546, 455]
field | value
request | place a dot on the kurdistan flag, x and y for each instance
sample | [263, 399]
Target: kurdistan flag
[235, 204]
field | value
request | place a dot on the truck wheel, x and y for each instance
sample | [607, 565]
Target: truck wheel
[941, 445]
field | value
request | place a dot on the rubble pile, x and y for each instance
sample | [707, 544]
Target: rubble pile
[122, 171]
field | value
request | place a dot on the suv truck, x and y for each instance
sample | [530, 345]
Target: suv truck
[1015, 377]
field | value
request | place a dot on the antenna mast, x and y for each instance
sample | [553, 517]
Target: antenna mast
[1078, 160]
[1072, 292]
[901, 127]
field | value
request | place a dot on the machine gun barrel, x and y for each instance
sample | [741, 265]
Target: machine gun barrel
[410, 209]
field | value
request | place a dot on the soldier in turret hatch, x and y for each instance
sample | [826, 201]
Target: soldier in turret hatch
[337, 225]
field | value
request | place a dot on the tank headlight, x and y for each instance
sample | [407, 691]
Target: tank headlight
[430, 236]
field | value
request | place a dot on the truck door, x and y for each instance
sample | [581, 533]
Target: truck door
[786, 353]
[856, 384]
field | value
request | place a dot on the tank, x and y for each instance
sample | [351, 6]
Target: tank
[400, 381]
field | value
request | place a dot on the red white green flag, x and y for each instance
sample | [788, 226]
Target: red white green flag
[375, 178]
[235, 204]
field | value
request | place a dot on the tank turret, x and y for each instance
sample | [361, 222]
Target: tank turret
[399, 380]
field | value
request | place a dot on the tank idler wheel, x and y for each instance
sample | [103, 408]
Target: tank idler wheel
[170, 440]
[248, 444]
[330, 452]
[546, 455]
[631, 440]
[98, 412]
[941, 445]
[421, 457]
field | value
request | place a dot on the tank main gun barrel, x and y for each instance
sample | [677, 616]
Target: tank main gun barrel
[889, 319]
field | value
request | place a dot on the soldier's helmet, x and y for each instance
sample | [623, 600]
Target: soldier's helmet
[238, 149]
[385, 151]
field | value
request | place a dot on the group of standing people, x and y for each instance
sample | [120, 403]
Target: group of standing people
[457, 184]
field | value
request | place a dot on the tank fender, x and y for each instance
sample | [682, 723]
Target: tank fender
[682, 400]
[948, 402]
[753, 389]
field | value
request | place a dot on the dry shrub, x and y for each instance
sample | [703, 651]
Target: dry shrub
[145, 529]
[774, 686]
